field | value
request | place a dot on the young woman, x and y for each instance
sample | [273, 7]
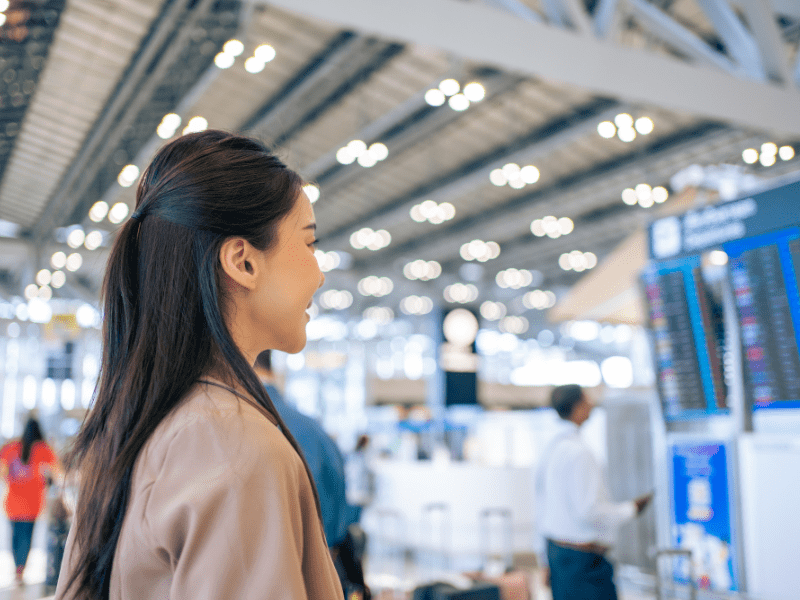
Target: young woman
[25, 465]
[190, 485]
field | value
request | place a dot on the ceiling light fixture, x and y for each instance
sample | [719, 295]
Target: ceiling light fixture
[128, 176]
[168, 126]
[357, 150]
[577, 261]
[514, 278]
[98, 211]
[118, 213]
[480, 250]
[432, 212]
[514, 324]
[539, 299]
[515, 176]
[459, 100]
[312, 191]
[552, 227]
[195, 125]
[336, 299]
[644, 195]
[416, 305]
[493, 311]
[372, 240]
[422, 270]
[375, 286]
[461, 293]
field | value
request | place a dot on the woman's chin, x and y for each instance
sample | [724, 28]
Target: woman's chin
[296, 345]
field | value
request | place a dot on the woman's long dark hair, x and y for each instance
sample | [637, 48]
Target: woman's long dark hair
[30, 435]
[164, 326]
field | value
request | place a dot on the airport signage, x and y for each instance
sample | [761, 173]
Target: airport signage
[702, 519]
[708, 227]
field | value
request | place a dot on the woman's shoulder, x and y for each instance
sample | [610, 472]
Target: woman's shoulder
[43, 449]
[230, 427]
[12, 447]
[212, 403]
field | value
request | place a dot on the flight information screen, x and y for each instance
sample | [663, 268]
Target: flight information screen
[686, 319]
[764, 274]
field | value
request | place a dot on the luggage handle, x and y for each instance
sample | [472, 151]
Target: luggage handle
[676, 552]
[506, 555]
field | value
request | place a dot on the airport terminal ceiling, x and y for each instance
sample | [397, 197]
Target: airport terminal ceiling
[429, 129]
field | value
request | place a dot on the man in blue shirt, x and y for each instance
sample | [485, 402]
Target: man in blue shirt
[327, 467]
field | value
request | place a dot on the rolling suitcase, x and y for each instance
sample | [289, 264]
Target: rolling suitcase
[445, 591]
[497, 547]
[58, 525]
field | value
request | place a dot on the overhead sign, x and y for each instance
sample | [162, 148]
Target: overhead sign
[708, 227]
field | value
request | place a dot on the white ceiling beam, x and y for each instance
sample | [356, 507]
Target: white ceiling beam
[606, 18]
[568, 14]
[555, 14]
[518, 8]
[787, 8]
[796, 73]
[663, 27]
[487, 35]
[738, 41]
[576, 12]
[761, 18]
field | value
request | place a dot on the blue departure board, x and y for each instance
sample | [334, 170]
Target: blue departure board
[687, 352]
[764, 274]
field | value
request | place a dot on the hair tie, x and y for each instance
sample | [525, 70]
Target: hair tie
[138, 215]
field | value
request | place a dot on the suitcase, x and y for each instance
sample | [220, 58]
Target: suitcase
[445, 591]
[58, 525]
[435, 538]
[497, 544]
[386, 548]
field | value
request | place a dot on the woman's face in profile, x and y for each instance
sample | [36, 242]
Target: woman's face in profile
[291, 277]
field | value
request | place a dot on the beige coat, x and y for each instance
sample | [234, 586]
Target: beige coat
[221, 507]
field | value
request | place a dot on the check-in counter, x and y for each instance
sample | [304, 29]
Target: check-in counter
[421, 505]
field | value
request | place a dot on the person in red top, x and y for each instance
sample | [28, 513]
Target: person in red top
[24, 465]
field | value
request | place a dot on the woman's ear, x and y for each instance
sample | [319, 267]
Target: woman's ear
[238, 259]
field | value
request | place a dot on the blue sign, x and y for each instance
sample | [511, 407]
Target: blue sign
[702, 519]
[765, 273]
[700, 229]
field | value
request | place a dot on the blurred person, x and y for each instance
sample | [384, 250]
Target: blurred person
[327, 467]
[359, 476]
[191, 485]
[26, 465]
[577, 521]
[58, 524]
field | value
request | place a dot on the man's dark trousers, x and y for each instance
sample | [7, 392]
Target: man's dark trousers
[576, 575]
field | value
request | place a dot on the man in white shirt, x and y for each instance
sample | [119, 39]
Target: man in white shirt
[577, 518]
